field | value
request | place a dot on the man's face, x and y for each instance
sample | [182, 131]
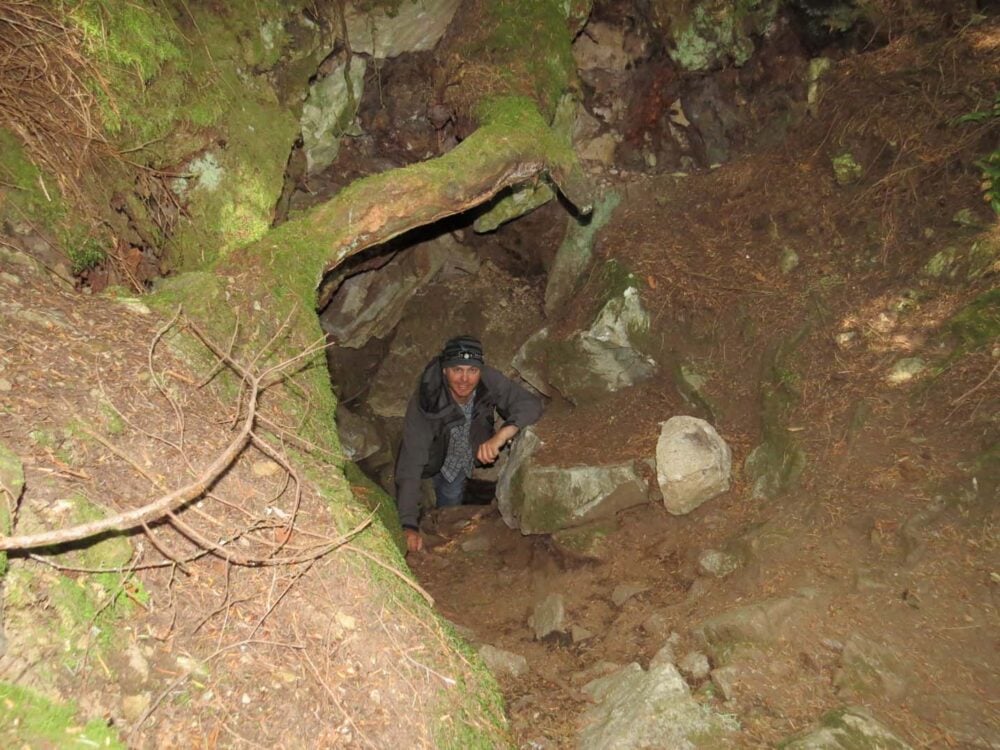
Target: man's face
[462, 381]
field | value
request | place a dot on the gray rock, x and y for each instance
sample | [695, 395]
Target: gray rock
[724, 679]
[761, 622]
[905, 370]
[549, 616]
[358, 437]
[328, 113]
[579, 634]
[717, 564]
[846, 729]
[871, 669]
[575, 252]
[694, 666]
[693, 463]
[644, 709]
[478, 543]
[529, 361]
[408, 26]
[541, 499]
[594, 672]
[370, 304]
[503, 662]
[604, 358]
[625, 591]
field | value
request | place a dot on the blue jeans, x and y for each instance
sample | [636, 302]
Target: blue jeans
[449, 493]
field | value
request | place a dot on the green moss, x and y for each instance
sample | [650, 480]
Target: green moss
[376, 499]
[22, 195]
[31, 720]
[519, 48]
[978, 323]
[471, 715]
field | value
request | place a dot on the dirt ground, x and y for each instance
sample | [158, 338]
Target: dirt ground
[891, 530]
[275, 638]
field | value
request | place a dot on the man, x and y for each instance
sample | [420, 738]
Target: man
[449, 427]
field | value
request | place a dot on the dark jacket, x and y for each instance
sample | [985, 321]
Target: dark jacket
[432, 412]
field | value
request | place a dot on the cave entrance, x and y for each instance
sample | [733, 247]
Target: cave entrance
[388, 310]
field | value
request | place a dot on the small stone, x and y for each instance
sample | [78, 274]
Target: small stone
[580, 634]
[717, 564]
[724, 679]
[548, 616]
[5, 385]
[905, 370]
[245, 700]
[345, 621]
[503, 662]
[625, 591]
[846, 340]
[10, 278]
[265, 468]
[478, 543]
[694, 666]
[134, 706]
[656, 626]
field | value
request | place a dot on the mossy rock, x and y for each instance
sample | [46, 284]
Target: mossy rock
[978, 323]
[848, 728]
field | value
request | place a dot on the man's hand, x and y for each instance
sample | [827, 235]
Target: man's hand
[488, 451]
[414, 541]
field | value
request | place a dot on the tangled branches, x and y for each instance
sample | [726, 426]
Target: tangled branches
[46, 94]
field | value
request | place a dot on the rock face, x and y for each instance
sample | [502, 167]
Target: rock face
[693, 463]
[370, 304]
[410, 26]
[541, 499]
[640, 709]
[846, 729]
[328, 113]
[358, 438]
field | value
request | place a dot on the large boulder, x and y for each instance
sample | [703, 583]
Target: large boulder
[693, 463]
[539, 499]
[605, 357]
[641, 709]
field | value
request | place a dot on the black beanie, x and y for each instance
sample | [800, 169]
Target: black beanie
[462, 350]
